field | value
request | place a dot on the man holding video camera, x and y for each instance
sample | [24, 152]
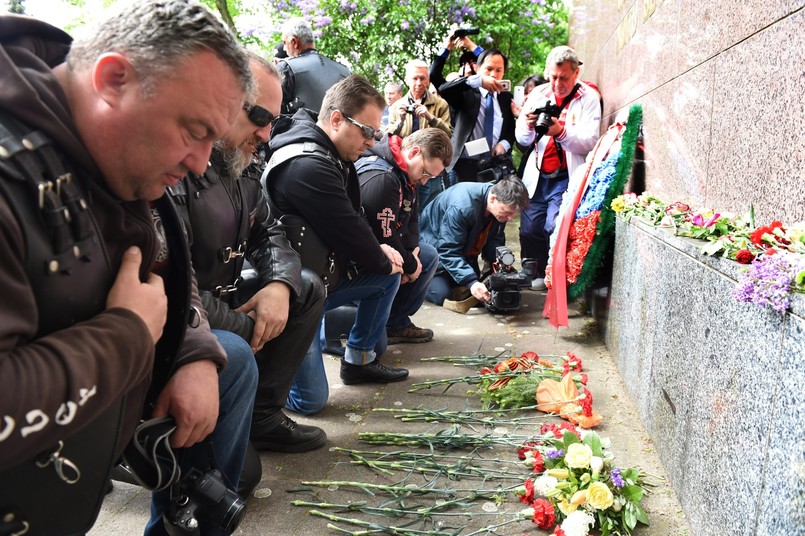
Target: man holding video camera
[561, 120]
[459, 223]
[483, 122]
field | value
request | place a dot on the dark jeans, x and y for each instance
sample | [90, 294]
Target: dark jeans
[538, 221]
[411, 295]
[236, 387]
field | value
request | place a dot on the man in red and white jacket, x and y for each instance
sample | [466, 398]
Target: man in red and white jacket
[561, 146]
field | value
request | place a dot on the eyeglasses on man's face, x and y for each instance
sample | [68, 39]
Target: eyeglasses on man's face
[259, 116]
[425, 173]
[368, 132]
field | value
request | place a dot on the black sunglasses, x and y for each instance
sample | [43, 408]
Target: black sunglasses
[259, 116]
[368, 132]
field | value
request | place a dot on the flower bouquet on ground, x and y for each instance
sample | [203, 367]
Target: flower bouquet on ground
[581, 489]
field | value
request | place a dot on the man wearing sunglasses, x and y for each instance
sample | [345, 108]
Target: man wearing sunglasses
[391, 174]
[311, 176]
[278, 311]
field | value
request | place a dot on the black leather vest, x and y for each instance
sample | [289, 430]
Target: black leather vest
[314, 74]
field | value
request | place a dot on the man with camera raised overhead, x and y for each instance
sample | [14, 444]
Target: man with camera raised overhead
[561, 120]
[481, 103]
[459, 223]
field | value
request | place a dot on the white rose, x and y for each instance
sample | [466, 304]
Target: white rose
[578, 456]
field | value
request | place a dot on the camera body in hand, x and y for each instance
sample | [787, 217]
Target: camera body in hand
[544, 118]
[411, 108]
[504, 282]
[464, 32]
[204, 497]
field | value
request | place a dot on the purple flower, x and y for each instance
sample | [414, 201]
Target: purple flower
[768, 281]
[404, 25]
[554, 454]
[617, 479]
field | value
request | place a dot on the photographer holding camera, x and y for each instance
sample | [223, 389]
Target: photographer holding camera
[459, 223]
[561, 121]
[482, 107]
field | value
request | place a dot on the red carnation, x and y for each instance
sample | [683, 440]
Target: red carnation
[558, 531]
[757, 235]
[486, 370]
[538, 463]
[584, 379]
[531, 356]
[528, 498]
[587, 403]
[550, 427]
[527, 447]
[744, 256]
[572, 363]
[564, 425]
[544, 516]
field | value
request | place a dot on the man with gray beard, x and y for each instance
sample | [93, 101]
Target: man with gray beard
[229, 221]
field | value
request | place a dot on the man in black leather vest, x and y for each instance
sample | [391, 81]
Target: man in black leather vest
[92, 130]
[278, 311]
[306, 74]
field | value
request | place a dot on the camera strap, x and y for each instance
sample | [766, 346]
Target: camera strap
[560, 153]
[149, 457]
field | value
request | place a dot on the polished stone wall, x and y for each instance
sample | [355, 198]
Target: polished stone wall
[721, 85]
[718, 384]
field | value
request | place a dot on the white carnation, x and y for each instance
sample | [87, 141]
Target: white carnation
[578, 523]
[544, 484]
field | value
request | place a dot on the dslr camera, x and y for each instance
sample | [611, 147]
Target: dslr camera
[411, 108]
[544, 118]
[495, 168]
[504, 282]
[464, 32]
[205, 497]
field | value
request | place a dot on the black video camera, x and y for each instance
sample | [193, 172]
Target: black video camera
[205, 497]
[495, 168]
[464, 32]
[504, 282]
[544, 118]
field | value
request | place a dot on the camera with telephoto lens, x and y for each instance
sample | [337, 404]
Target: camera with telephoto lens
[204, 497]
[495, 168]
[464, 32]
[544, 118]
[504, 282]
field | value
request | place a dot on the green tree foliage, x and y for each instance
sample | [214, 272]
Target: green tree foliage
[17, 7]
[375, 38]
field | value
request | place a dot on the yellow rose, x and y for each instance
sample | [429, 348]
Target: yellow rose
[599, 496]
[578, 456]
[618, 204]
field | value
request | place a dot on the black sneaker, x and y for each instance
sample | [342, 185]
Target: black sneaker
[374, 372]
[289, 436]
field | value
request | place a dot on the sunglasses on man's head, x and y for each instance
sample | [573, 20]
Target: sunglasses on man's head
[258, 115]
[368, 132]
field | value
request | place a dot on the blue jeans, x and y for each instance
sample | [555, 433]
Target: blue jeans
[374, 295]
[538, 220]
[411, 295]
[237, 384]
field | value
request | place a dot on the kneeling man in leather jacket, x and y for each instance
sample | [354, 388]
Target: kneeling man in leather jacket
[229, 220]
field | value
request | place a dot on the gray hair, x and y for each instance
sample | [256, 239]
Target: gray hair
[299, 28]
[560, 55]
[350, 96]
[156, 35]
[511, 192]
[396, 86]
[415, 64]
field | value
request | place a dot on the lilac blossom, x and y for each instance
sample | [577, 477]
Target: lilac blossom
[405, 25]
[617, 479]
[555, 454]
[768, 281]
